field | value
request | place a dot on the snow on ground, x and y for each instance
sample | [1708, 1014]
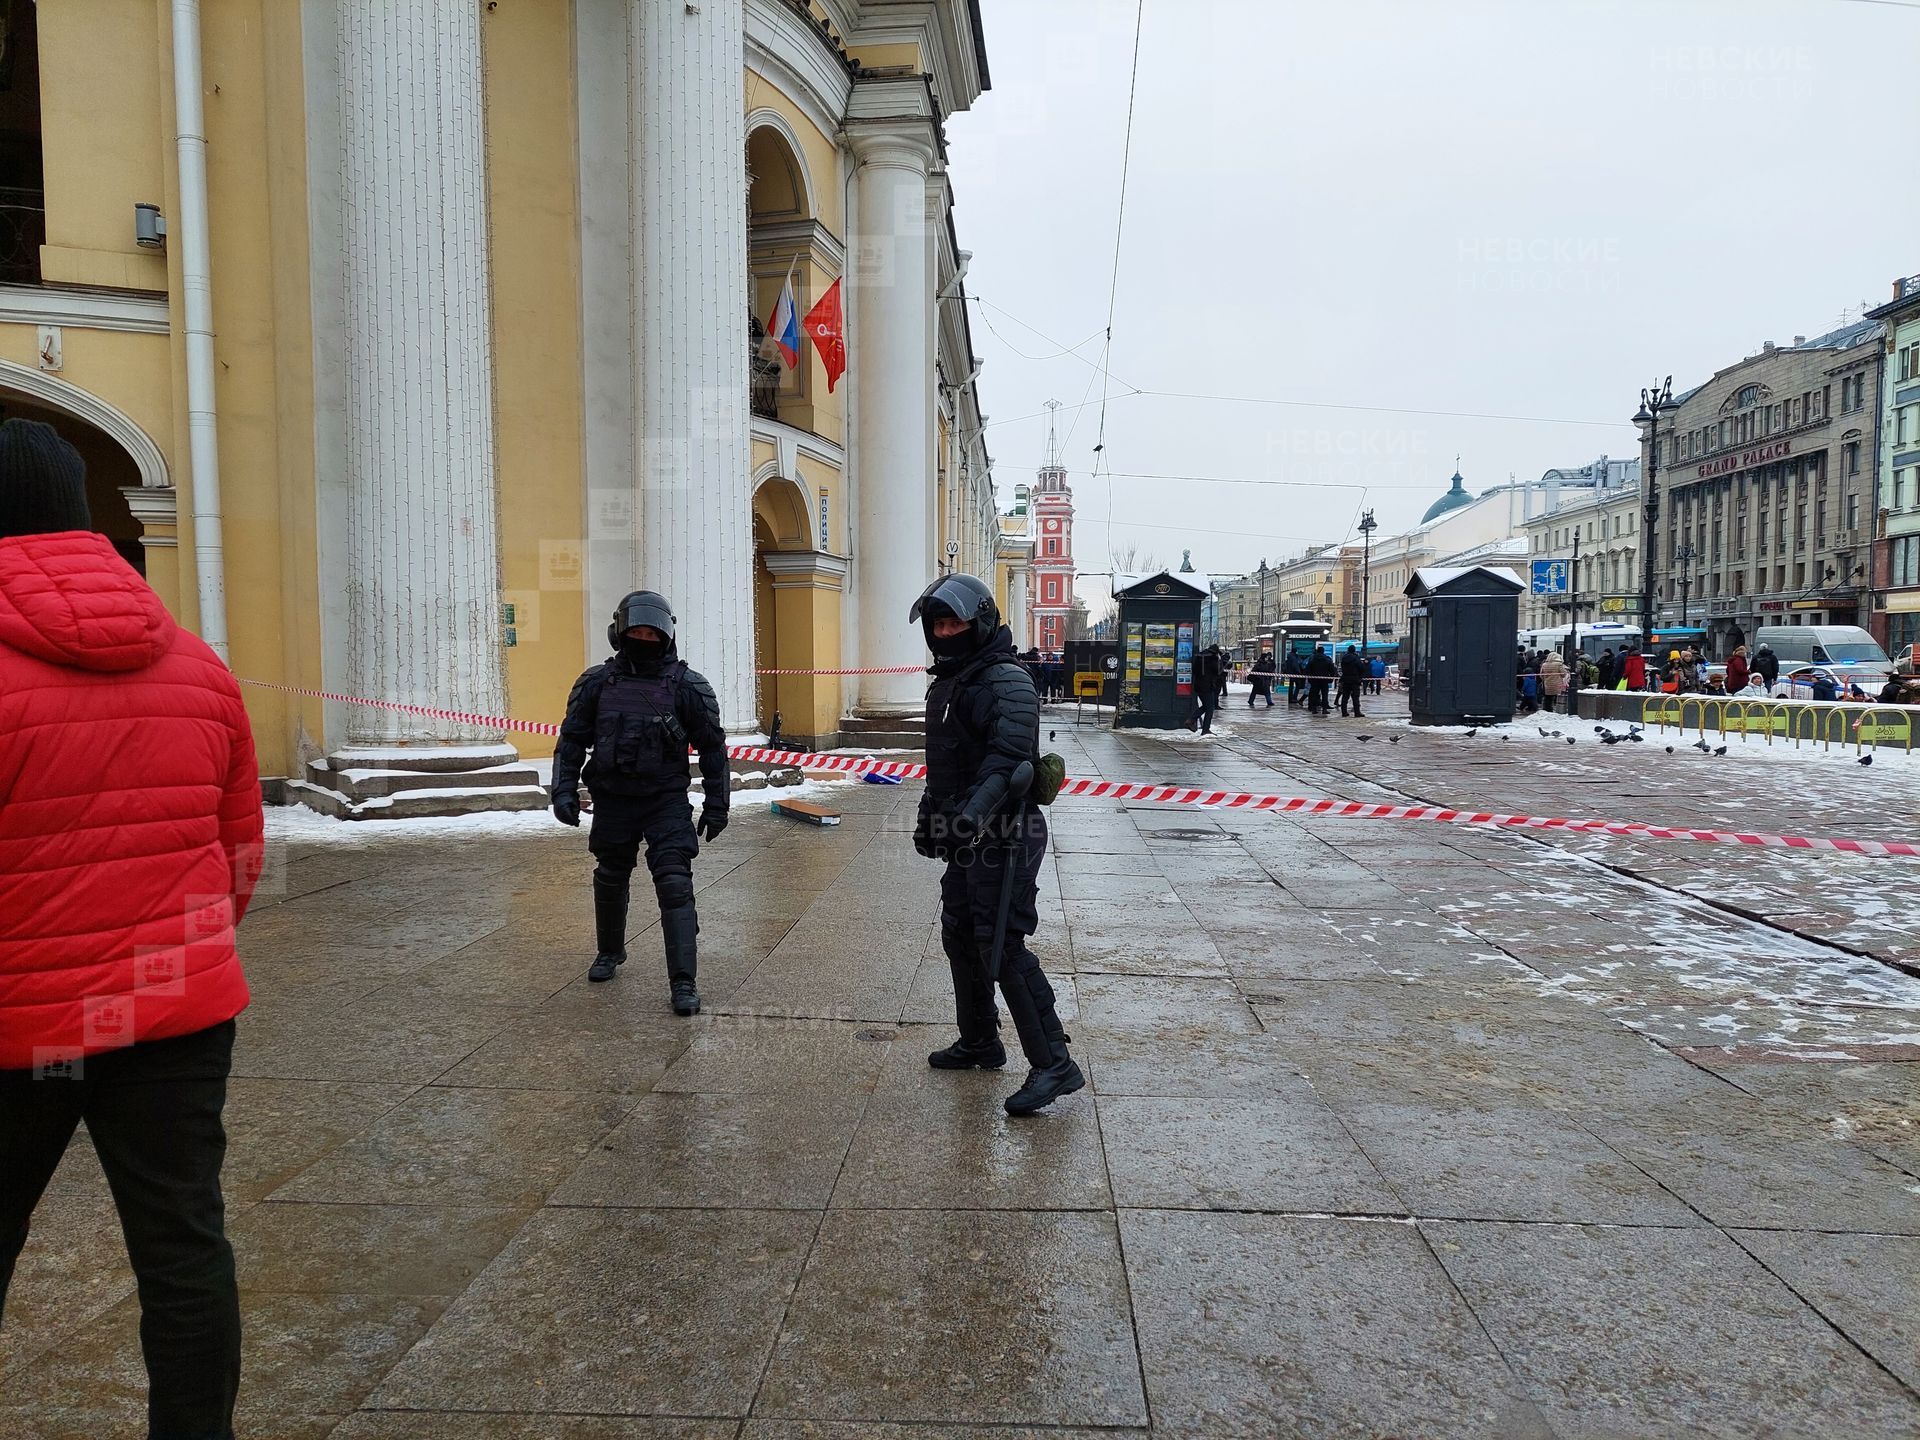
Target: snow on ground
[288, 824]
[1714, 979]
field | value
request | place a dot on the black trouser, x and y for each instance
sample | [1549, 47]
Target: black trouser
[1262, 690]
[1317, 696]
[665, 823]
[969, 903]
[1209, 703]
[153, 1114]
[1349, 695]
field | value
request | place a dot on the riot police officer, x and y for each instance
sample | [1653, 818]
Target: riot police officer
[983, 724]
[637, 713]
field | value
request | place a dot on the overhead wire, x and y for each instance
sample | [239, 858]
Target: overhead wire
[1113, 285]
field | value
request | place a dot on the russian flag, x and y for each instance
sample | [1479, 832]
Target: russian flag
[784, 327]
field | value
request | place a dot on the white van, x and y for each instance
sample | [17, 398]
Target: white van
[1849, 652]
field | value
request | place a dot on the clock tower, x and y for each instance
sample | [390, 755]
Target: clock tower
[1050, 592]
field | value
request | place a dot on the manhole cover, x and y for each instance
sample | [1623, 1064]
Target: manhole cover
[1186, 834]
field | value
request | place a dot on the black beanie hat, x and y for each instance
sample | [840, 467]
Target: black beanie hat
[43, 481]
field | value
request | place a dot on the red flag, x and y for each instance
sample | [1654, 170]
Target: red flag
[828, 329]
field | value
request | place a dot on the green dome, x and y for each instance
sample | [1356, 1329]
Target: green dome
[1452, 500]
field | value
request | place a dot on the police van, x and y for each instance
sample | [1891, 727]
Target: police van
[1846, 652]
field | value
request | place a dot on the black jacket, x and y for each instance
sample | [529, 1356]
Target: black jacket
[983, 719]
[1768, 664]
[1210, 671]
[1352, 668]
[1320, 667]
[620, 713]
[1263, 665]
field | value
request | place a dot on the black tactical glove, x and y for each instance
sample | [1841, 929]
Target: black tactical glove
[712, 822]
[566, 809]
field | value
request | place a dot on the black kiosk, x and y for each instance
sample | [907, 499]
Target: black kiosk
[1159, 630]
[1465, 625]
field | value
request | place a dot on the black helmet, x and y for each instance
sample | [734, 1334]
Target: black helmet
[641, 607]
[958, 597]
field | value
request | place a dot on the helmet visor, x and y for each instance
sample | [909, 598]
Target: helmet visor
[643, 608]
[956, 595]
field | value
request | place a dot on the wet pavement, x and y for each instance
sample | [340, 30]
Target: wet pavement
[1394, 1128]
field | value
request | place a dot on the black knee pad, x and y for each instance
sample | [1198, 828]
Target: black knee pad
[673, 891]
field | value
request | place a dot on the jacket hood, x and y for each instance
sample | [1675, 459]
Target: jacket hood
[70, 599]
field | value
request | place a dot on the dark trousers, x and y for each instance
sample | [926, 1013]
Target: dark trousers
[153, 1114]
[664, 824]
[969, 903]
[1209, 703]
[1317, 697]
[1349, 695]
[1262, 690]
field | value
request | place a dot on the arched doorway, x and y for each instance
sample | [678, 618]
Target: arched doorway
[779, 527]
[110, 471]
[780, 216]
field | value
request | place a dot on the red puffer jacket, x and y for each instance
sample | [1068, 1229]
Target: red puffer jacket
[129, 810]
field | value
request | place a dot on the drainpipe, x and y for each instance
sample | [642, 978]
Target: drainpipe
[196, 293]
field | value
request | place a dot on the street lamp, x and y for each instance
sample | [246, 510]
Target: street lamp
[1652, 402]
[1367, 526]
[1683, 557]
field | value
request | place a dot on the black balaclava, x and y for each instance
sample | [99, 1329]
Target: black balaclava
[642, 607]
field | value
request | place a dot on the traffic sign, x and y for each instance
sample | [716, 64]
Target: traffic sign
[1550, 577]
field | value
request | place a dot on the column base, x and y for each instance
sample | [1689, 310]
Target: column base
[398, 782]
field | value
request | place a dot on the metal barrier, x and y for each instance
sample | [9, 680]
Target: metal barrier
[1819, 722]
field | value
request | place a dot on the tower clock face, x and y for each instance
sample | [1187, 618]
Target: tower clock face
[1053, 524]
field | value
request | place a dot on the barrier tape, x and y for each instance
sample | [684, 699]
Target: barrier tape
[1200, 798]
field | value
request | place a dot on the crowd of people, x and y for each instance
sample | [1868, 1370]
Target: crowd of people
[1541, 677]
[1049, 672]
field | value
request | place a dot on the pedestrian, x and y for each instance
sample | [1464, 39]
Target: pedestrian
[1767, 663]
[1376, 674]
[1262, 677]
[1607, 670]
[1737, 669]
[1755, 688]
[1634, 668]
[1353, 671]
[982, 723]
[1824, 686]
[637, 712]
[1209, 680]
[130, 841]
[1553, 680]
[1294, 667]
[1321, 673]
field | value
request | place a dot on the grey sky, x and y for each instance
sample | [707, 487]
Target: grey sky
[1511, 207]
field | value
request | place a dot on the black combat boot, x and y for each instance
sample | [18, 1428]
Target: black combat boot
[979, 1020]
[1042, 1038]
[1046, 1084]
[678, 927]
[610, 927]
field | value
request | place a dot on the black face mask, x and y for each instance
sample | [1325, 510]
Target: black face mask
[953, 646]
[643, 652]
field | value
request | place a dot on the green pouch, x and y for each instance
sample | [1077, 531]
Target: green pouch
[1049, 774]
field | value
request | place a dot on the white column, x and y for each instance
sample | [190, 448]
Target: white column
[1017, 603]
[894, 440]
[689, 159]
[423, 564]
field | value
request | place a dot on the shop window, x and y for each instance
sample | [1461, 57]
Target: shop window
[23, 214]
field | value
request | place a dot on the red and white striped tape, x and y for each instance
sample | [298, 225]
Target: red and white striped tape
[1189, 795]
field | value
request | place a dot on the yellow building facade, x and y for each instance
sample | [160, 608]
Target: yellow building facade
[402, 337]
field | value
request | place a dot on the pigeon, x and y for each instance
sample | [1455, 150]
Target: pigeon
[1050, 734]
[1363, 738]
[1473, 732]
[1720, 750]
[1701, 745]
[1570, 740]
[1635, 735]
[1635, 729]
[1866, 759]
[1669, 749]
[1393, 739]
[1541, 728]
[1609, 738]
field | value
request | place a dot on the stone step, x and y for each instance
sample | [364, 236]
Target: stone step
[409, 804]
[361, 782]
[867, 725]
